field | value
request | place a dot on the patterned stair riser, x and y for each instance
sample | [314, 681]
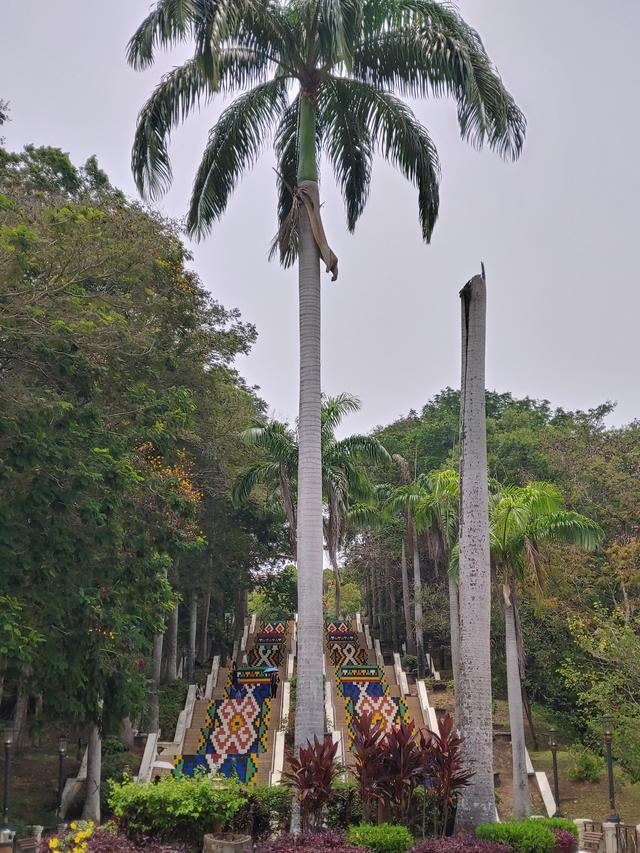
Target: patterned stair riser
[362, 687]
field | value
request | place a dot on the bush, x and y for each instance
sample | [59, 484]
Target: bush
[586, 765]
[384, 838]
[326, 842]
[460, 844]
[172, 697]
[112, 745]
[266, 811]
[565, 841]
[410, 664]
[522, 836]
[554, 823]
[346, 807]
[183, 809]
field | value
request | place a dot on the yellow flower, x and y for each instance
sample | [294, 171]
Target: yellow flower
[74, 824]
[53, 843]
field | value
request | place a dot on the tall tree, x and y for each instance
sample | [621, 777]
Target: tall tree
[345, 59]
[522, 518]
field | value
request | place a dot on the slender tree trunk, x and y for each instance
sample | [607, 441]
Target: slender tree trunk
[417, 601]
[204, 627]
[454, 630]
[193, 630]
[393, 609]
[338, 588]
[406, 602]
[310, 718]
[91, 810]
[171, 672]
[521, 797]
[21, 711]
[126, 734]
[154, 695]
[477, 804]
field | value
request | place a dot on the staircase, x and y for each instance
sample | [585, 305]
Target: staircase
[233, 733]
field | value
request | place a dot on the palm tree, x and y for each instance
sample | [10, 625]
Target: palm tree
[522, 518]
[437, 511]
[324, 75]
[343, 477]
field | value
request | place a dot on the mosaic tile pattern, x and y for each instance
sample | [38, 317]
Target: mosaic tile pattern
[342, 654]
[235, 730]
[266, 654]
[275, 628]
[338, 627]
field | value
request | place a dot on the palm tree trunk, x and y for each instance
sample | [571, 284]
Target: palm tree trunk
[154, 696]
[126, 734]
[477, 804]
[417, 601]
[171, 672]
[521, 797]
[310, 721]
[406, 602]
[91, 810]
[193, 630]
[454, 631]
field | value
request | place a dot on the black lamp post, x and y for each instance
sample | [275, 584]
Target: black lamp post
[62, 753]
[8, 742]
[553, 746]
[607, 729]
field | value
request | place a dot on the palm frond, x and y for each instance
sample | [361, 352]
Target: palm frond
[276, 439]
[401, 139]
[335, 408]
[234, 144]
[339, 27]
[357, 447]
[172, 100]
[348, 145]
[568, 527]
[245, 483]
[421, 47]
[169, 22]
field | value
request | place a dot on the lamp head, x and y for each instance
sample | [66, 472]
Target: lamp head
[62, 744]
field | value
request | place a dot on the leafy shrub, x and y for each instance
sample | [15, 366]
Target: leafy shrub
[184, 808]
[266, 811]
[326, 842]
[311, 777]
[460, 844]
[345, 809]
[554, 823]
[586, 765]
[384, 838]
[116, 767]
[410, 664]
[103, 841]
[112, 745]
[444, 767]
[523, 836]
[171, 697]
[566, 841]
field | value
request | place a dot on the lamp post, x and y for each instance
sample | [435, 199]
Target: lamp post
[607, 729]
[553, 746]
[62, 752]
[8, 741]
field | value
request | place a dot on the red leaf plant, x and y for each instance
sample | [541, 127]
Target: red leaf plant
[311, 777]
[443, 765]
[368, 746]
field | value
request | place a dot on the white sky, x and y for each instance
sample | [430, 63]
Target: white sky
[556, 230]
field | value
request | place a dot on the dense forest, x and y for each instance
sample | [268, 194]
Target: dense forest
[120, 419]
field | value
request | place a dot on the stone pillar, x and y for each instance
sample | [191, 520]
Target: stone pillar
[610, 837]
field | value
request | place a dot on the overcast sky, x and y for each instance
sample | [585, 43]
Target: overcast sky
[558, 230]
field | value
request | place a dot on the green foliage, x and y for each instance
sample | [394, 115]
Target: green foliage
[384, 838]
[276, 596]
[265, 811]
[172, 697]
[183, 808]
[586, 765]
[410, 663]
[525, 836]
[345, 809]
[559, 823]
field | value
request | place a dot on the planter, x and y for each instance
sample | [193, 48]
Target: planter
[227, 842]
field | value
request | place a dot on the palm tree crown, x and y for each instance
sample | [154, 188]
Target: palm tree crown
[352, 60]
